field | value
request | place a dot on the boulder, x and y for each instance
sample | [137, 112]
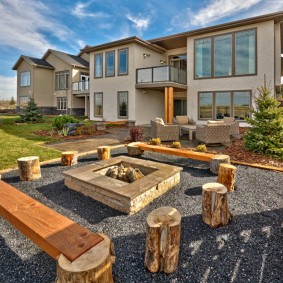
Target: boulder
[72, 128]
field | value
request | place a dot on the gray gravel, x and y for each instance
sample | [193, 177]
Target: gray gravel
[250, 249]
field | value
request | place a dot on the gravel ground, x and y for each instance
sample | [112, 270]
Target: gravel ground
[249, 249]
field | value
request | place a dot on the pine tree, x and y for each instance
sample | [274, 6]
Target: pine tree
[31, 114]
[12, 101]
[266, 134]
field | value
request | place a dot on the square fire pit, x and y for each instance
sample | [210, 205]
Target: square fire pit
[126, 197]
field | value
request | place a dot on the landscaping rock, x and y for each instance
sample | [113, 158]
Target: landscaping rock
[72, 128]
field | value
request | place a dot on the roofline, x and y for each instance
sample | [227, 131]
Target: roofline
[128, 40]
[253, 20]
[23, 57]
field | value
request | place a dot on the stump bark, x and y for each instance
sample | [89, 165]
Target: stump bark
[215, 162]
[215, 211]
[163, 230]
[69, 158]
[29, 168]
[134, 149]
[226, 176]
[93, 266]
[103, 152]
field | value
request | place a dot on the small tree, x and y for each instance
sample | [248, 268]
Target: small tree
[12, 101]
[266, 133]
[31, 114]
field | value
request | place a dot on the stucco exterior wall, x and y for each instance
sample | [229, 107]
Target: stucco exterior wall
[277, 32]
[85, 56]
[265, 66]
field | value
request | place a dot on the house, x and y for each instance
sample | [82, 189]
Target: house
[58, 82]
[207, 73]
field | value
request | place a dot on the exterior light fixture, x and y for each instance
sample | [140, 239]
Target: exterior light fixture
[146, 55]
[162, 61]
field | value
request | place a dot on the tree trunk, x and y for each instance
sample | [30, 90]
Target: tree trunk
[215, 211]
[103, 152]
[226, 176]
[29, 168]
[163, 239]
[93, 266]
[69, 158]
[134, 149]
[215, 161]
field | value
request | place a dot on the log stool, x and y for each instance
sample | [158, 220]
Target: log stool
[226, 176]
[163, 230]
[29, 168]
[134, 149]
[103, 152]
[69, 158]
[93, 266]
[215, 211]
[215, 161]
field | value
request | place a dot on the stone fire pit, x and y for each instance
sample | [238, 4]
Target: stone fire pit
[126, 197]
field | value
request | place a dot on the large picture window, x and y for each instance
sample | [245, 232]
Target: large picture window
[98, 104]
[61, 103]
[123, 62]
[61, 80]
[234, 54]
[122, 104]
[98, 65]
[110, 64]
[217, 105]
[25, 79]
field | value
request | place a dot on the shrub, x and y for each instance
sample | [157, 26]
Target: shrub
[59, 121]
[155, 141]
[136, 134]
[176, 145]
[201, 148]
[31, 114]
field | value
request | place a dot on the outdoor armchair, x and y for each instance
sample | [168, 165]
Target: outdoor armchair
[164, 132]
[213, 133]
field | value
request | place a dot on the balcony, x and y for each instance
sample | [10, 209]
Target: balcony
[81, 87]
[161, 76]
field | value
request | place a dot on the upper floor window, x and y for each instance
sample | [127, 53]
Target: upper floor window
[110, 63]
[123, 62]
[98, 65]
[25, 78]
[227, 55]
[61, 80]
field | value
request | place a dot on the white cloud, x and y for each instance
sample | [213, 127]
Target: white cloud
[81, 43]
[8, 87]
[80, 11]
[140, 23]
[23, 23]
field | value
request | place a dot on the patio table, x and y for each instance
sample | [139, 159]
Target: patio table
[190, 129]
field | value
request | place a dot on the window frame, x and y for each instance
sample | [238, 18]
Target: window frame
[113, 75]
[231, 93]
[60, 101]
[233, 74]
[95, 55]
[28, 85]
[94, 99]
[118, 66]
[66, 74]
[118, 105]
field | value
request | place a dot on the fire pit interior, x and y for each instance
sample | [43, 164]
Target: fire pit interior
[146, 181]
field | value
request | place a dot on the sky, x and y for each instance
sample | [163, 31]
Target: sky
[30, 27]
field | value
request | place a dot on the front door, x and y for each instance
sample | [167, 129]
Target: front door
[180, 107]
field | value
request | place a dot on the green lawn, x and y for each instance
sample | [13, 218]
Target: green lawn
[18, 141]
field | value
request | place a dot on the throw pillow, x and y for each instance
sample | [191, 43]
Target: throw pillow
[159, 120]
[183, 120]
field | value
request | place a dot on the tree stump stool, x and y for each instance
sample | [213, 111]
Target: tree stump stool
[215, 161]
[29, 168]
[215, 211]
[69, 158]
[93, 266]
[226, 176]
[163, 230]
[134, 149]
[103, 152]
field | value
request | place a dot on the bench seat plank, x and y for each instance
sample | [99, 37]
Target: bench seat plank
[51, 231]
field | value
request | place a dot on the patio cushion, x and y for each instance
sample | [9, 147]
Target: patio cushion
[228, 120]
[159, 120]
[183, 120]
[210, 122]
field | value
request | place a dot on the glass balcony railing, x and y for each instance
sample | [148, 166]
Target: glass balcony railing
[161, 74]
[81, 86]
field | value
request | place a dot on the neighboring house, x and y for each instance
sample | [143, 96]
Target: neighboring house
[58, 82]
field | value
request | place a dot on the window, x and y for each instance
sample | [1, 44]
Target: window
[217, 105]
[123, 104]
[110, 64]
[123, 62]
[98, 65]
[61, 80]
[180, 107]
[25, 79]
[234, 54]
[61, 103]
[24, 101]
[98, 104]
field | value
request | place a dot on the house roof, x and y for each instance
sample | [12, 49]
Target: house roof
[180, 39]
[36, 62]
[128, 40]
[70, 59]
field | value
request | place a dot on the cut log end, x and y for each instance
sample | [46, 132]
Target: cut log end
[217, 160]
[29, 168]
[69, 158]
[103, 152]
[134, 149]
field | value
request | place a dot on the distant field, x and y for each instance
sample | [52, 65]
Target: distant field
[5, 104]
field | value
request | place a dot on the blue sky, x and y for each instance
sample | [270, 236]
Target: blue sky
[30, 27]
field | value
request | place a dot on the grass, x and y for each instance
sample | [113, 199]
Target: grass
[18, 141]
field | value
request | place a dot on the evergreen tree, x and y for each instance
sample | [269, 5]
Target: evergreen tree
[266, 134]
[31, 114]
[12, 101]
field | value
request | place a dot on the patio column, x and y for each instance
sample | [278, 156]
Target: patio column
[168, 104]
